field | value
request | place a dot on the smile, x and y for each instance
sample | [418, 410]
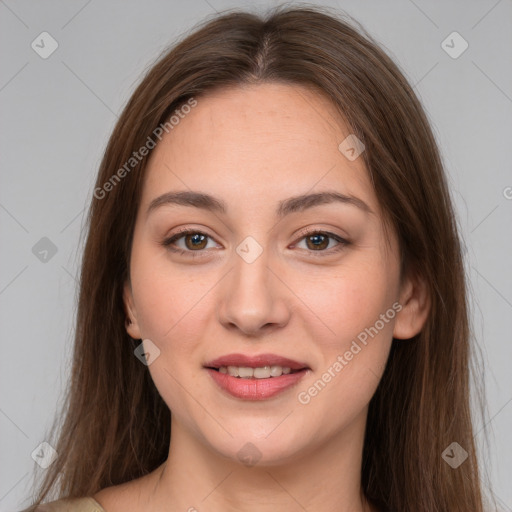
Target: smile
[255, 377]
[262, 372]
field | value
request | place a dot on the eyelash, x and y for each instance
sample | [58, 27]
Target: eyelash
[326, 252]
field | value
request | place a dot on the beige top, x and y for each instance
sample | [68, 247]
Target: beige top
[87, 504]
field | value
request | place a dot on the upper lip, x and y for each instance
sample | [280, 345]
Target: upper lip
[256, 361]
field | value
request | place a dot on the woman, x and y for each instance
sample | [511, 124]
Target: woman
[273, 275]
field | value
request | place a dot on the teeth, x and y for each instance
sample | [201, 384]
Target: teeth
[245, 373]
[263, 372]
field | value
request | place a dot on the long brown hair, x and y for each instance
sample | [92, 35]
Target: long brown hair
[116, 427]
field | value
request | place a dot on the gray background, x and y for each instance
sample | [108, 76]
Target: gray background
[58, 112]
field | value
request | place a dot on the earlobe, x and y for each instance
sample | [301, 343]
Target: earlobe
[415, 301]
[131, 324]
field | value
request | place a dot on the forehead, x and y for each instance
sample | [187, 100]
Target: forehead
[257, 143]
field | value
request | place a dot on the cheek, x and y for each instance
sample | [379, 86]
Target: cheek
[168, 296]
[347, 300]
[356, 305]
[172, 310]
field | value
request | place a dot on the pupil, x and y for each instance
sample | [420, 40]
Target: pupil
[318, 241]
[196, 239]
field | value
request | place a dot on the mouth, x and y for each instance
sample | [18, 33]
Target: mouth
[255, 377]
[263, 366]
[260, 372]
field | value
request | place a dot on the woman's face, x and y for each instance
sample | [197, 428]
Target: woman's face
[308, 280]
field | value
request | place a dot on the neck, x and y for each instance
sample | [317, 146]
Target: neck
[327, 477]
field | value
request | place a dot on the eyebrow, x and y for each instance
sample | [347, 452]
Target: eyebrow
[285, 207]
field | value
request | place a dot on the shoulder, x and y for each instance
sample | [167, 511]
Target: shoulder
[125, 497]
[86, 504]
[131, 496]
[115, 498]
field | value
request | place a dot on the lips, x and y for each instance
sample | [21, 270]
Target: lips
[253, 388]
[257, 361]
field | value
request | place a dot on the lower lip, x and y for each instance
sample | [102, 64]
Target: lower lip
[255, 389]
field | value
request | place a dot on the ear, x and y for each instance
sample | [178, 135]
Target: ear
[415, 301]
[132, 326]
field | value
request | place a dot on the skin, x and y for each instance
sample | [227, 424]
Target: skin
[253, 147]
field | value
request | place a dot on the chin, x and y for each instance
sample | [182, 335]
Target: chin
[250, 449]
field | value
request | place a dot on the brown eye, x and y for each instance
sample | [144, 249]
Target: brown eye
[317, 241]
[195, 241]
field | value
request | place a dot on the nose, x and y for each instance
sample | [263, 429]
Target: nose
[254, 300]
